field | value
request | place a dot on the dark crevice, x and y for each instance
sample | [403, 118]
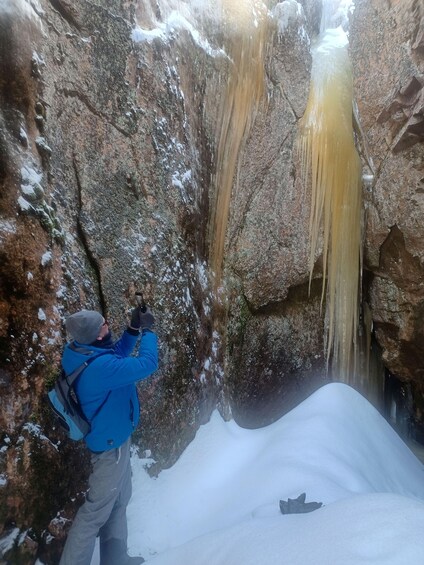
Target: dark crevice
[84, 99]
[139, 186]
[287, 99]
[65, 13]
[402, 403]
[84, 242]
[296, 294]
[4, 156]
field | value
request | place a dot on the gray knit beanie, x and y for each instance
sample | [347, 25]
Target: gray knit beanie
[84, 326]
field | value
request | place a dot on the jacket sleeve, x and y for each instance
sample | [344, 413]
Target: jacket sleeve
[118, 372]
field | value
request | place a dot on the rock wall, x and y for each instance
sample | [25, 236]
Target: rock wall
[271, 364]
[388, 59]
[107, 129]
[105, 168]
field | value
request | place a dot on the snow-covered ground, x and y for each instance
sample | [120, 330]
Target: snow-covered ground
[219, 504]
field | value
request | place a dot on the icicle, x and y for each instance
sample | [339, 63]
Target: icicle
[331, 164]
[245, 27]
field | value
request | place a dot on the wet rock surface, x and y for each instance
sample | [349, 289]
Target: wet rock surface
[386, 48]
[271, 364]
[104, 174]
[273, 361]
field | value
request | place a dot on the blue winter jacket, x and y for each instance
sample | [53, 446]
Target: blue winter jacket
[106, 388]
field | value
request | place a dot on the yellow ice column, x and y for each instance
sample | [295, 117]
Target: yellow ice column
[332, 167]
[244, 24]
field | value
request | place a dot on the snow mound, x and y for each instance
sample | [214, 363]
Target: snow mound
[219, 504]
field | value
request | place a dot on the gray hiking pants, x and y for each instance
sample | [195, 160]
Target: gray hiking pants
[104, 511]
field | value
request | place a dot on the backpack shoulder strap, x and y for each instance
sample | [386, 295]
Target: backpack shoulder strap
[72, 377]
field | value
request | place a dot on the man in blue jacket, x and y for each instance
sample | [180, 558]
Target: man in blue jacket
[107, 392]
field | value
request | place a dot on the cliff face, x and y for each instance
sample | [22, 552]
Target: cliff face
[272, 359]
[105, 168]
[108, 114]
[388, 59]
[270, 364]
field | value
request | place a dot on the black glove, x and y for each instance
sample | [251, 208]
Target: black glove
[298, 505]
[135, 318]
[147, 319]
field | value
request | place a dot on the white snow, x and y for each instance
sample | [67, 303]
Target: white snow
[139, 35]
[24, 204]
[42, 315]
[176, 181]
[23, 135]
[186, 176]
[36, 431]
[219, 504]
[287, 12]
[167, 29]
[30, 186]
[28, 190]
[27, 8]
[30, 176]
[40, 61]
[46, 258]
[7, 227]
[8, 541]
[61, 292]
[329, 41]
[202, 275]
[335, 13]
[330, 57]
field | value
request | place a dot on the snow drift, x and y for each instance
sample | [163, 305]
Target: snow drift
[219, 504]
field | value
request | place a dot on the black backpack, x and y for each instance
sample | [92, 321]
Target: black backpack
[65, 403]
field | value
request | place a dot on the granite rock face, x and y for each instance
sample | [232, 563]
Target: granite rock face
[267, 251]
[270, 365]
[108, 115]
[388, 62]
[105, 168]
